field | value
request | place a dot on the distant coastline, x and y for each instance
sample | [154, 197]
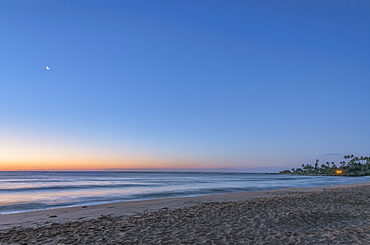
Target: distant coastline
[350, 166]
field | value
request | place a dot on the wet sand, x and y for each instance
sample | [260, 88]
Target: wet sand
[315, 215]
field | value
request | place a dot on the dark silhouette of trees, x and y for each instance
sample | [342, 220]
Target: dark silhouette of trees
[351, 166]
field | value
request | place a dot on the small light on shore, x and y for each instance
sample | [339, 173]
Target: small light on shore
[339, 171]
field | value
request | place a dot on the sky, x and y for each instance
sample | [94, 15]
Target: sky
[255, 85]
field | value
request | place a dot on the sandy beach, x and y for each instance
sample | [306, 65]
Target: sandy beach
[315, 215]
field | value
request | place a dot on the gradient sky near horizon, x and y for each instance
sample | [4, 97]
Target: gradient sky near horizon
[251, 85]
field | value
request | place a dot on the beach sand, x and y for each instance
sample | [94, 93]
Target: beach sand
[315, 215]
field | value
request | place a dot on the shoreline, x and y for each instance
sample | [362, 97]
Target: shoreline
[33, 219]
[337, 214]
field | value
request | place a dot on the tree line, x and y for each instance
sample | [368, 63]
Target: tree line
[350, 166]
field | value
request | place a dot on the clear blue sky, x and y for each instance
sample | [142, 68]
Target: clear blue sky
[199, 84]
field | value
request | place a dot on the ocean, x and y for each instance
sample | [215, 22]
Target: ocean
[39, 190]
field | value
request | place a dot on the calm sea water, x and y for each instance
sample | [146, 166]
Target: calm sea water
[25, 191]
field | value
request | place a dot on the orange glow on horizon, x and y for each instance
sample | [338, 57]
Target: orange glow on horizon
[101, 164]
[33, 153]
[77, 165]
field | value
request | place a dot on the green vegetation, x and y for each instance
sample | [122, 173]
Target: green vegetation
[350, 166]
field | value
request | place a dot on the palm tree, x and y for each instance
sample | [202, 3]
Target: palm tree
[317, 164]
